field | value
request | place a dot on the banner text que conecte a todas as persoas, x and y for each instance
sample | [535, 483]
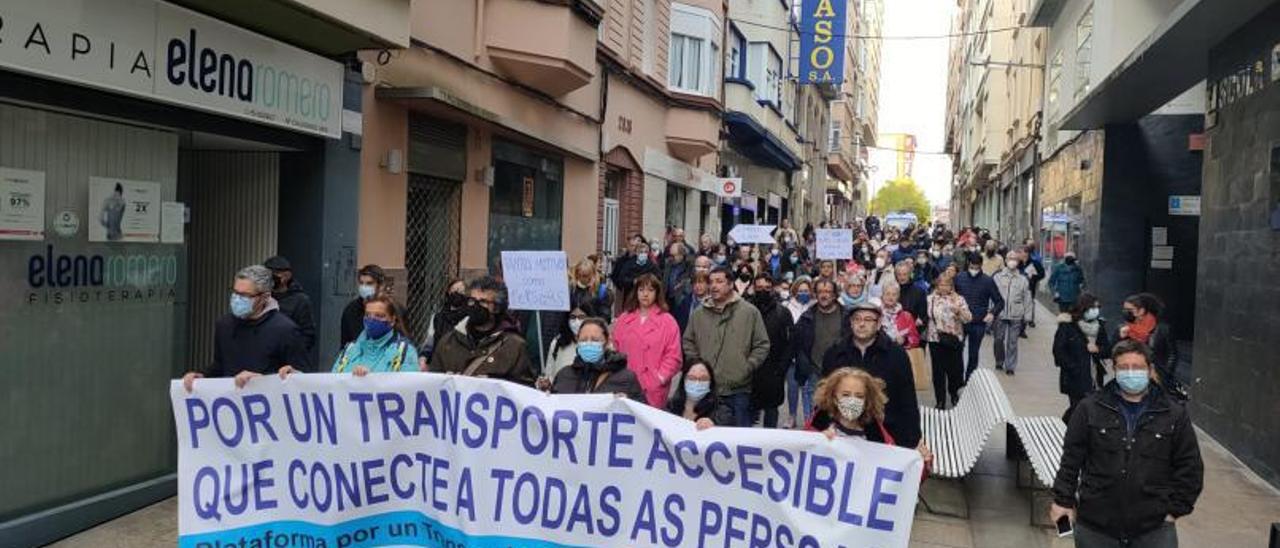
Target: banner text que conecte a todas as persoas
[436, 460]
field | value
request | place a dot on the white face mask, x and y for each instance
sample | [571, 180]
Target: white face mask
[574, 325]
[851, 407]
[880, 262]
[1013, 265]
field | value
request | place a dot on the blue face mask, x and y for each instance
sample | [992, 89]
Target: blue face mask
[366, 291]
[696, 390]
[375, 328]
[591, 351]
[1132, 382]
[241, 306]
[802, 298]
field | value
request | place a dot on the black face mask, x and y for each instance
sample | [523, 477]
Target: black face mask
[479, 320]
[1130, 317]
[762, 300]
[1070, 260]
[280, 284]
[744, 276]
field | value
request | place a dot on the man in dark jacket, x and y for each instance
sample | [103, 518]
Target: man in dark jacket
[480, 345]
[819, 328]
[293, 302]
[985, 303]
[255, 338]
[1131, 464]
[769, 382]
[635, 263]
[912, 297]
[870, 349]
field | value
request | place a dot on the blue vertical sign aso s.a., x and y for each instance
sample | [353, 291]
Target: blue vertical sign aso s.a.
[822, 33]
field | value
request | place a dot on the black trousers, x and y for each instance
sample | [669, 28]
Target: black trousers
[948, 372]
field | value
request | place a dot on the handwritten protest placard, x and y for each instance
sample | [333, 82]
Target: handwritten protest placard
[752, 234]
[536, 280]
[445, 460]
[835, 243]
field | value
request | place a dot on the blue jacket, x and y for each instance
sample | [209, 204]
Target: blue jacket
[391, 353]
[684, 309]
[1065, 282]
[980, 293]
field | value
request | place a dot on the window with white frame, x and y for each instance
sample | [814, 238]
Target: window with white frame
[1084, 51]
[1055, 79]
[693, 59]
[773, 77]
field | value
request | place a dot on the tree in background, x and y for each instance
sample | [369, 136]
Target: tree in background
[901, 195]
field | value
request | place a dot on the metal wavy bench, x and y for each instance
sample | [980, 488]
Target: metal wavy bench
[958, 435]
[1037, 441]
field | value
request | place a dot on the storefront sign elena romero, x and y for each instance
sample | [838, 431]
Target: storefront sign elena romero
[165, 53]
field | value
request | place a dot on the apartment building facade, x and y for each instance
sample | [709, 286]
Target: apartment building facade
[854, 114]
[1210, 202]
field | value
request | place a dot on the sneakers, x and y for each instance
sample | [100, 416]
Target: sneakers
[1008, 372]
[999, 367]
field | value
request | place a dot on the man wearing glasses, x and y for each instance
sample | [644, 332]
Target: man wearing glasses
[487, 343]
[255, 337]
[870, 349]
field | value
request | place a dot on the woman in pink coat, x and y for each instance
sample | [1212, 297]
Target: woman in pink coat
[650, 338]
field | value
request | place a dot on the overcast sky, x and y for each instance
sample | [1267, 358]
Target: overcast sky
[913, 92]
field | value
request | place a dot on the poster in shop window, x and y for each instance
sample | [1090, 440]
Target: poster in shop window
[121, 210]
[21, 204]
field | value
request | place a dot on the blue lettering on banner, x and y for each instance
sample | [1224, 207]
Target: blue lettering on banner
[823, 29]
[434, 470]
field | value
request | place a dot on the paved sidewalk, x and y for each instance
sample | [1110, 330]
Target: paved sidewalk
[1235, 509]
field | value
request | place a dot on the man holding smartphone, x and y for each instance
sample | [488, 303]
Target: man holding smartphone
[1130, 463]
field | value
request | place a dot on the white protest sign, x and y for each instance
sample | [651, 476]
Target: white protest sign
[752, 234]
[536, 280]
[835, 243]
[445, 460]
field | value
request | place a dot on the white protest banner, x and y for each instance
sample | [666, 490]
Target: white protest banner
[752, 234]
[835, 243]
[446, 460]
[536, 280]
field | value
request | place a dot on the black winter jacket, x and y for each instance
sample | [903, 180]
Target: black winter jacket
[1125, 485]
[768, 382]
[1071, 355]
[887, 361]
[626, 270]
[261, 346]
[295, 304]
[581, 379]
[915, 301]
[709, 407]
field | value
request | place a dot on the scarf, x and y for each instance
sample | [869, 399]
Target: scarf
[1141, 330]
[889, 319]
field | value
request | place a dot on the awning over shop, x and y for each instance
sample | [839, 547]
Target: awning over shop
[752, 140]
[1168, 62]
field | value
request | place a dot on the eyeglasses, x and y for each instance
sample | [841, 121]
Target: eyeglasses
[866, 319]
[246, 295]
[487, 303]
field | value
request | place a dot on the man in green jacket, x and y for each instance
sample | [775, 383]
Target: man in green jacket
[728, 334]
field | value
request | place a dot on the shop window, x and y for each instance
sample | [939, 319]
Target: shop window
[526, 200]
[677, 197]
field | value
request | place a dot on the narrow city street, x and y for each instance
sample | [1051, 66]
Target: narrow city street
[544, 273]
[1236, 508]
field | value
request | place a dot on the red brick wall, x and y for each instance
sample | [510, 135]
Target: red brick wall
[631, 197]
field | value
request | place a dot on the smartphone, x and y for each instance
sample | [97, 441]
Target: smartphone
[1064, 527]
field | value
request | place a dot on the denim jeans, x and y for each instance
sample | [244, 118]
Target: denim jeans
[740, 404]
[973, 333]
[797, 391]
[1164, 536]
